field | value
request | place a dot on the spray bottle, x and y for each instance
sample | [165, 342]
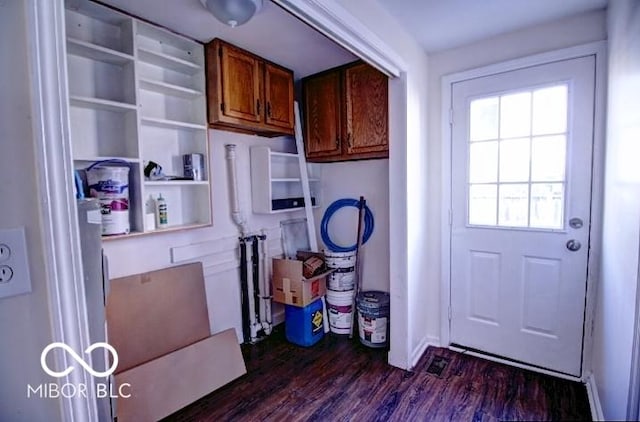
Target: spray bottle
[162, 217]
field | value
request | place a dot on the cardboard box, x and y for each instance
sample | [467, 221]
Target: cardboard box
[292, 288]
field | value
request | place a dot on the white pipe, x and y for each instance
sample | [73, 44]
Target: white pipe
[236, 213]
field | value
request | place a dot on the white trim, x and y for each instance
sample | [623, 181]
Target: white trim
[419, 351]
[599, 50]
[594, 399]
[633, 402]
[515, 364]
[47, 67]
[334, 21]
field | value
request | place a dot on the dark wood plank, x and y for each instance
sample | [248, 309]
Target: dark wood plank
[340, 380]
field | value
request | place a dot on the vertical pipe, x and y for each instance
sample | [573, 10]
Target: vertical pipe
[265, 284]
[246, 329]
[236, 213]
[257, 300]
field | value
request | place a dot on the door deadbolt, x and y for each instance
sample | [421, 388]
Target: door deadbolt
[573, 245]
[576, 223]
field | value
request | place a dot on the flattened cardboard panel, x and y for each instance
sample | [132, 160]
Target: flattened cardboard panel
[169, 383]
[155, 313]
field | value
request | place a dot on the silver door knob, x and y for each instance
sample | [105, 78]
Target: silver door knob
[573, 245]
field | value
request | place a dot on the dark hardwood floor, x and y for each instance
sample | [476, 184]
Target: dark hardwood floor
[340, 380]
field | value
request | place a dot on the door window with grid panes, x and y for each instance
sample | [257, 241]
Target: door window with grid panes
[517, 159]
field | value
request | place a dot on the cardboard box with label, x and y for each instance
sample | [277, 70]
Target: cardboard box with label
[292, 288]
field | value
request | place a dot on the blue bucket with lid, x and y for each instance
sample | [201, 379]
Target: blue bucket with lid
[373, 318]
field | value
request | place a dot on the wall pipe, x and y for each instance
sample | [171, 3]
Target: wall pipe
[236, 214]
[255, 286]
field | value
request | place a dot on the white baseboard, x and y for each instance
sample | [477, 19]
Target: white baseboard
[419, 351]
[594, 399]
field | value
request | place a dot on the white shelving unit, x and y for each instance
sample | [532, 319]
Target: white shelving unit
[275, 176]
[137, 94]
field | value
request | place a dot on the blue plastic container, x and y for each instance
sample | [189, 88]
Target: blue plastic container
[304, 326]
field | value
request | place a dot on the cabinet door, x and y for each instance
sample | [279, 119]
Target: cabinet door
[367, 116]
[278, 95]
[322, 116]
[240, 85]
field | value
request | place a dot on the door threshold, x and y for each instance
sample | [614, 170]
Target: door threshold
[506, 361]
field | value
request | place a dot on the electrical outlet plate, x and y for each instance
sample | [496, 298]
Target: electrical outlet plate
[14, 265]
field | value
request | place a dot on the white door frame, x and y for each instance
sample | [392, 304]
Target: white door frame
[598, 49]
[47, 56]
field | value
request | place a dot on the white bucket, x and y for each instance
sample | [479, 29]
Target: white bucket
[344, 263]
[111, 186]
[340, 309]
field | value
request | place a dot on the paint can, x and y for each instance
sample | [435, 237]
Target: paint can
[344, 263]
[110, 185]
[340, 310]
[373, 318]
[193, 166]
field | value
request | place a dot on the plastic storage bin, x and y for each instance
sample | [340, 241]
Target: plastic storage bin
[304, 325]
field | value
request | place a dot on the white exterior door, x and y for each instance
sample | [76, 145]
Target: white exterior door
[521, 194]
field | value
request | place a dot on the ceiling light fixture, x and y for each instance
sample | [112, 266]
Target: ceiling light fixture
[233, 12]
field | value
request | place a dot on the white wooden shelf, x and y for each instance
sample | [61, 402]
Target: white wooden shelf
[289, 210]
[137, 94]
[176, 183]
[292, 180]
[283, 154]
[101, 158]
[276, 175]
[169, 89]
[167, 61]
[98, 103]
[96, 52]
[171, 124]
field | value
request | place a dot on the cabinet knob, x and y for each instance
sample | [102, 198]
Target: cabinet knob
[258, 107]
[268, 109]
[337, 143]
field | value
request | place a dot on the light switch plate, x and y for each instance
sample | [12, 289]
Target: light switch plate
[14, 264]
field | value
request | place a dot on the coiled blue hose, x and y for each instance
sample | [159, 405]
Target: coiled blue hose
[335, 206]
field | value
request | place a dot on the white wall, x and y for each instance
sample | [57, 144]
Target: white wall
[559, 34]
[407, 185]
[152, 252]
[24, 320]
[369, 178]
[616, 304]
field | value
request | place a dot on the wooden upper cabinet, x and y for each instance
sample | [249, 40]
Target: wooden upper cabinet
[246, 93]
[240, 86]
[278, 96]
[367, 104]
[322, 128]
[346, 114]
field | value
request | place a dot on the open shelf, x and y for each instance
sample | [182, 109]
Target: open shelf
[160, 183]
[137, 94]
[171, 124]
[169, 89]
[96, 52]
[97, 103]
[167, 61]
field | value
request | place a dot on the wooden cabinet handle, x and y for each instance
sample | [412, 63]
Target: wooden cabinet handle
[258, 107]
[268, 109]
[337, 142]
[349, 139]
